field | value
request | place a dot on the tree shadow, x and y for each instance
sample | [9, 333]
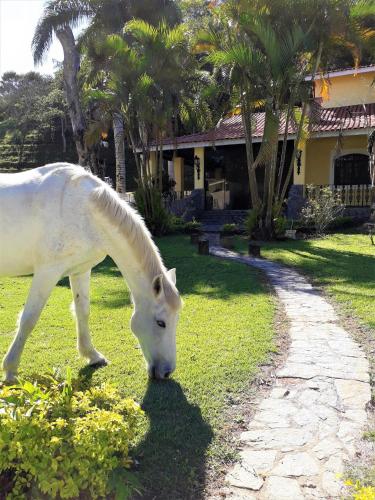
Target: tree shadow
[330, 265]
[196, 274]
[172, 455]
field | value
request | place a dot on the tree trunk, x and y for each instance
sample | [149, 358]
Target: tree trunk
[300, 126]
[71, 69]
[63, 134]
[253, 186]
[119, 135]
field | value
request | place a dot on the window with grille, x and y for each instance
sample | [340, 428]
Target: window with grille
[352, 169]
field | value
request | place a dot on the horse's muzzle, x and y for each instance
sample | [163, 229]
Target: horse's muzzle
[159, 372]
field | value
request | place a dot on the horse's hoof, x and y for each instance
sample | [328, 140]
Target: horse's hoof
[99, 364]
[10, 379]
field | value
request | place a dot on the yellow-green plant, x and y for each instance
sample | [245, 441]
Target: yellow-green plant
[61, 441]
[251, 222]
[360, 491]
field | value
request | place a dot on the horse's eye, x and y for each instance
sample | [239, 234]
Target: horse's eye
[160, 323]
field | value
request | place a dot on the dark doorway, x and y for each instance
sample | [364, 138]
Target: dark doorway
[227, 185]
[226, 176]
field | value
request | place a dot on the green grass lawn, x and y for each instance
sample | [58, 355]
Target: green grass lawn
[225, 331]
[344, 264]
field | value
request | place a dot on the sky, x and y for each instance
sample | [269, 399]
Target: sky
[18, 19]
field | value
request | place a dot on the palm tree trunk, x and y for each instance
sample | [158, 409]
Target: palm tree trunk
[300, 126]
[119, 135]
[71, 69]
[285, 145]
[253, 186]
[63, 137]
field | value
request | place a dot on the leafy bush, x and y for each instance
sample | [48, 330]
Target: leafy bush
[280, 225]
[61, 441]
[193, 226]
[342, 222]
[360, 491]
[251, 223]
[322, 208]
[177, 224]
[150, 205]
[229, 229]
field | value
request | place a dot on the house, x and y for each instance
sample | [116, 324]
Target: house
[210, 172]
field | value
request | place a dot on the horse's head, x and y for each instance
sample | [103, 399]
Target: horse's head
[154, 323]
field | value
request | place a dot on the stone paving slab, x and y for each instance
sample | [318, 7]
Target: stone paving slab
[296, 445]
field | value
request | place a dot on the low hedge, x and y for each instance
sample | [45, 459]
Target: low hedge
[60, 441]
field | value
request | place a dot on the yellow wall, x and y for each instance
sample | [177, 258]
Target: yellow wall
[178, 164]
[153, 165]
[348, 89]
[199, 183]
[320, 156]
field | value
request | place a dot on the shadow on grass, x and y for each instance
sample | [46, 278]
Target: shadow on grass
[196, 274]
[330, 264]
[325, 264]
[172, 455]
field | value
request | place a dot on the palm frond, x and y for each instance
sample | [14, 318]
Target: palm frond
[142, 30]
[57, 14]
[362, 8]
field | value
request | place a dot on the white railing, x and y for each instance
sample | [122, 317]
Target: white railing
[129, 197]
[356, 195]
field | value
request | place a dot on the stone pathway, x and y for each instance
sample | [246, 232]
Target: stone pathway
[301, 435]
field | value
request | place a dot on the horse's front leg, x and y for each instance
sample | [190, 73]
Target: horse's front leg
[42, 284]
[80, 285]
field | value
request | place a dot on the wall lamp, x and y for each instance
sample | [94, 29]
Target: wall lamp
[299, 160]
[197, 165]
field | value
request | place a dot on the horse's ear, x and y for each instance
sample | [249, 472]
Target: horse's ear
[172, 275]
[157, 285]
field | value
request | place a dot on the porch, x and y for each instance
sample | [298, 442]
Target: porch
[208, 171]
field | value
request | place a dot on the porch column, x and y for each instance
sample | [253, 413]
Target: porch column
[296, 198]
[178, 167]
[171, 169]
[199, 182]
[153, 165]
[300, 178]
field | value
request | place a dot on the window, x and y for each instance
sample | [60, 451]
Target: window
[352, 169]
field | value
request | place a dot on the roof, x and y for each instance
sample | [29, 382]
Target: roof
[327, 121]
[345, 71]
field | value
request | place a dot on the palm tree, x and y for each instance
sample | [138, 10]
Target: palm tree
[106, 16]
[58, 19]
[144, 74]
[268, 48]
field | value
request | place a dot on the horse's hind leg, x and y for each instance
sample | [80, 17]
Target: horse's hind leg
[41, 287]
[80, 285]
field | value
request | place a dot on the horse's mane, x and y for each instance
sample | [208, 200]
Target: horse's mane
[121, 216]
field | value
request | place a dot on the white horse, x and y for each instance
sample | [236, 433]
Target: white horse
[59, 220]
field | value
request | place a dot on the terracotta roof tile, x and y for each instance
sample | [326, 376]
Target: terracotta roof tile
[327, 120]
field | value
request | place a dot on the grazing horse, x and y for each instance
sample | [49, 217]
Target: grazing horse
[59, 220]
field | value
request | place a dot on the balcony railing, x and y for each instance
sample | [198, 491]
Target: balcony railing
[356, 195]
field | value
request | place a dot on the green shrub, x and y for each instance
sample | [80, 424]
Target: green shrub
[229, 229]
[251, 223]
[150, 205]
[61, 441]
[342, 222]
[322, 208]
[193, 226]
[280, 225]
[177, 224]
